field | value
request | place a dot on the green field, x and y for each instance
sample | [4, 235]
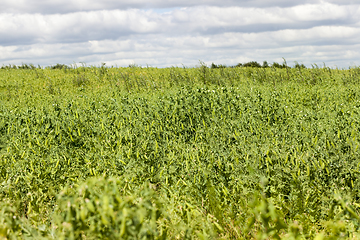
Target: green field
[179, 153]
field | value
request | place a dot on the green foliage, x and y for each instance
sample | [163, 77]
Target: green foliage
[213, 65]
[10, 225]
[299, 66]
[277, 65]
[59, 66]
[99, 209]
[179, 153]
[253, 64]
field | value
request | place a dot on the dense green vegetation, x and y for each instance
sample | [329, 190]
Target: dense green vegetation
[179, 153]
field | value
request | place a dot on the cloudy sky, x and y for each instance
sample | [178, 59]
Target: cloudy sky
[162, 33]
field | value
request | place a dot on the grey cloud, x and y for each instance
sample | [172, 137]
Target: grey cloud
[258, 28]
[74, 27]
[184, 50]
[227, 35]
[118, 24]
[228, 48]
[68, 6]
[343, 2]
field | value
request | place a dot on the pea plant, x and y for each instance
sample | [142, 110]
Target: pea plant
[179, 153]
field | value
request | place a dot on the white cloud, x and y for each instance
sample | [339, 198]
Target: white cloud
[97, 25]
[182, 33]
[66, 6]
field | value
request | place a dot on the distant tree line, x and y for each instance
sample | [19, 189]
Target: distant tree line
[23, 66]
[255, 64]
[32, 66]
